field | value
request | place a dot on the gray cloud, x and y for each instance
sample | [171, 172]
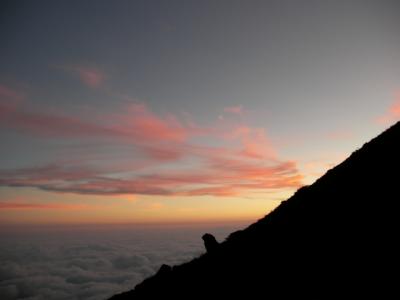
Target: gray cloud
[90, 263]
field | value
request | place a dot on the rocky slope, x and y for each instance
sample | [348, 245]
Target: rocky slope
[337, 237]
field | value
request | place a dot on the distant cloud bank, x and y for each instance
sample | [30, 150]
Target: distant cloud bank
[90, 264]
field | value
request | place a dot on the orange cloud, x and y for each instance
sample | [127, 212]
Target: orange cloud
[222, 191]
[30, 206]
[393, 113]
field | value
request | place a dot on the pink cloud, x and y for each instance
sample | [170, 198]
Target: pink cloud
[236, 110]
[9, 100]
[135, 124]
[139, 122]
[218, 176]
[254, 142]
[44, 124]
[8, 93]
[159, 138]
[90, 77]
[392, 114]
[163, 153]
[244, 160]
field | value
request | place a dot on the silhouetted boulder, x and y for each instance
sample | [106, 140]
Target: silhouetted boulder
[210, 243]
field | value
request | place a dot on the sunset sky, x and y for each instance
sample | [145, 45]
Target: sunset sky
[185, 111]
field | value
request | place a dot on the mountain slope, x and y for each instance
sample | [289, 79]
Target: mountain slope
[336, 237]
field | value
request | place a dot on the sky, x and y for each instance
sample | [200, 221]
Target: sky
[185, 111]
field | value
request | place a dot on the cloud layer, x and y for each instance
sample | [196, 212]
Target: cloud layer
[90, 262]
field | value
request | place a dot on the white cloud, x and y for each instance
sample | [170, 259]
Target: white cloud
[92, 263]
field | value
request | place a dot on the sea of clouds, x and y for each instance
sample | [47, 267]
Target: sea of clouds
[92, 262]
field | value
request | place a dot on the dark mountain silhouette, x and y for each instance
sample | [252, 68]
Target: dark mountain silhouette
[335, 238]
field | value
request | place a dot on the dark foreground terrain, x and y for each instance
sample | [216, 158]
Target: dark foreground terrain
[337, 237]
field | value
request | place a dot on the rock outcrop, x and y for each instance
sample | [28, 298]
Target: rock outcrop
[210, 243]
